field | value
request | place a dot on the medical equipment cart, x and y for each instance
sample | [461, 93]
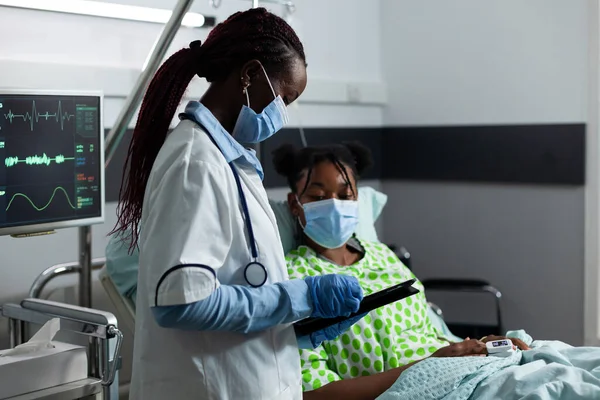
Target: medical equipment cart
[104, 347]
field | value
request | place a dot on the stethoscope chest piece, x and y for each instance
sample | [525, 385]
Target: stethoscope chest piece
[255, 274]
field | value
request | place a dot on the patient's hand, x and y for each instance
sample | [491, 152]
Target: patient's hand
[517, 342]
[469, 347]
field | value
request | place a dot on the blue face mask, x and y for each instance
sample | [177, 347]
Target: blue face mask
[330, 223]
[251, 127]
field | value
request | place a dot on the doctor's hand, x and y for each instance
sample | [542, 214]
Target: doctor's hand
[334, 295]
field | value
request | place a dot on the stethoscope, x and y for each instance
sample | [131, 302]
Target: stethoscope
[255, 273]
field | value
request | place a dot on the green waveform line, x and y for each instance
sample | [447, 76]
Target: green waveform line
[47, 204]
[34, 116]
[36, 160]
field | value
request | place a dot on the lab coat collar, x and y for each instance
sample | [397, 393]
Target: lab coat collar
[229, 147]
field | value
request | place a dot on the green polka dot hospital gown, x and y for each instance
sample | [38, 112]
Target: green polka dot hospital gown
[391, 336]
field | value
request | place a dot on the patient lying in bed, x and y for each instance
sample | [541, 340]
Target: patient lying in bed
[395, 352]
[383, 352]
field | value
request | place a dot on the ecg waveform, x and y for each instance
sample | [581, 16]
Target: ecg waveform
[60, 116]
[36, 160]
[59, 188]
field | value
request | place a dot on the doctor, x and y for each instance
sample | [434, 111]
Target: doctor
[214, 303]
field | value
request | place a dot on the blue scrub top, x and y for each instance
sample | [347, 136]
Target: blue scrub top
[122, 267]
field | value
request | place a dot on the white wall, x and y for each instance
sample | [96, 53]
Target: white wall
[107, 54]
[592, 189]
[470, 62]
[485, 62]
[56, 51]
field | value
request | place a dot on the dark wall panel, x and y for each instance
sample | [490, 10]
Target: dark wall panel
[534, 154]
[525, 154]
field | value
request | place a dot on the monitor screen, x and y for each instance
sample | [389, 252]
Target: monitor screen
[51, 160]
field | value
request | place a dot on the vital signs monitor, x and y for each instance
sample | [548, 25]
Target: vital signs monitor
[51, 160]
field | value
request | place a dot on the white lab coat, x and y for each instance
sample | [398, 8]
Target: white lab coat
[192, 216]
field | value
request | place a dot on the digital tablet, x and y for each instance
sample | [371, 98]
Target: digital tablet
[369, 303]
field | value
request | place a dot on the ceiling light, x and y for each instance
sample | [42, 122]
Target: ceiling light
[107, 10]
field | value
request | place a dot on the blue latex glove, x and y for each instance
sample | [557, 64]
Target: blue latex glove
[240, 309]
[316, 338]
[334, 295]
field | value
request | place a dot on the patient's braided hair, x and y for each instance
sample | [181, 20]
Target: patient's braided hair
[255, 34]
[295, 164]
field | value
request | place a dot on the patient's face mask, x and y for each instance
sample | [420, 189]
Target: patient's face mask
[251, 127]
[330, 223]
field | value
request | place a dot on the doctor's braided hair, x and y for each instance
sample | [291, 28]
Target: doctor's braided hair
[295, 164]
[255, 34]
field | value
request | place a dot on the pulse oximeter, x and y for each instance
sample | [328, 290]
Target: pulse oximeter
[500, 348]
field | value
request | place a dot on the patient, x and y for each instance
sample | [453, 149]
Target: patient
[393, 352]
[323, 199]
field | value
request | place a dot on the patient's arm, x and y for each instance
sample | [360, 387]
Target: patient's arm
[369, 387]
[361, 388]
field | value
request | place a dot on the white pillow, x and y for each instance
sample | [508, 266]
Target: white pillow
[370, 205]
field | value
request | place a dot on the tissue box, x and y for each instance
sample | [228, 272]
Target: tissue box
[41, 369]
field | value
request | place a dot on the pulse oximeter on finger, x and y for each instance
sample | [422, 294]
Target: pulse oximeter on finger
[500, 348]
